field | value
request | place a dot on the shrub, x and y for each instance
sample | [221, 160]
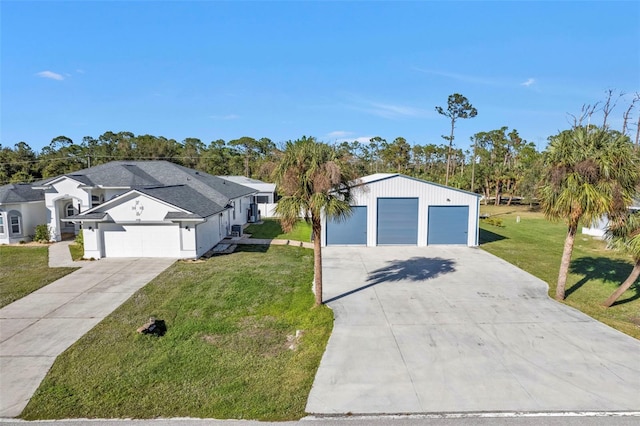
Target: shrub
[43, 233]
[80, 238]
[494, 222]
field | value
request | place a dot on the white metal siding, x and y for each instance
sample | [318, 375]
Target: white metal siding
[429, 194]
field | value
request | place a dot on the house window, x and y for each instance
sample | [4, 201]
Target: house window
[14, 224]
[1, 224]
[262, 199]
[96, 200]
[69, 210]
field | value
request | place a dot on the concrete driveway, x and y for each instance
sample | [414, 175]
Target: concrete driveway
[455, 329]
[37, 328]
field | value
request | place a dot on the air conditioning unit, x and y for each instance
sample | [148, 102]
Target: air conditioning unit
[236, 230]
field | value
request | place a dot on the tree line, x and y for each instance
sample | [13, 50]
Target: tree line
[506, 165]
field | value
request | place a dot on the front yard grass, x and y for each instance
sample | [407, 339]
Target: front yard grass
[24, 269]
[535, 245]
[271, 229]
[230, 320]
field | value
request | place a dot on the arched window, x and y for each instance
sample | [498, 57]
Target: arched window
[69, 210]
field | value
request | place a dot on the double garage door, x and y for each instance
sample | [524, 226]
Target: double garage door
[397, 223]
[141, 240]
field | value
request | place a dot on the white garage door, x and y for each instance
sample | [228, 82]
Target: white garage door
[141, 240]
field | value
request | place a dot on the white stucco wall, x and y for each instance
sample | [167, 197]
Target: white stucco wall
[137, 207]
[31, 214]
[64, 190]
[428, 195]
[208, 234]
[92, 240]
[187, 240]
[241, 210]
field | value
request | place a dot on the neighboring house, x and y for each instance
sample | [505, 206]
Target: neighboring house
[143, 209]
[21, 209]
[600, 227]
[394, 209]
[266, 191]
[265, 198]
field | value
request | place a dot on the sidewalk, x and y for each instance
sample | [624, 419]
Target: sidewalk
[60, 256]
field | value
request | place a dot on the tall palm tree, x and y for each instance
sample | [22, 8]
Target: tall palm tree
[589, 171]
[623, 233]
[313, 181]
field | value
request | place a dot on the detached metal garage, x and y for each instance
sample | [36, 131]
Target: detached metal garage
[393, 209]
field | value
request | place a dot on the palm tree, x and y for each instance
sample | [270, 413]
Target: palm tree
[589, 171]
[623, 233]
[313, 181]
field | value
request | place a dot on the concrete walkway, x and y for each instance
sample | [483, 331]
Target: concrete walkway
[37, 328]
[455, 329]
[266, 242]
[60, 256]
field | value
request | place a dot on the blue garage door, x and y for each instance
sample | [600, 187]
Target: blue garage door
[448, 225]
[352, 231]
[397, 221]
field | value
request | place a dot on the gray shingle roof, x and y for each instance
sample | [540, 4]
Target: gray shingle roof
[19, 193]
[185, 197]
[94, 215]
[198, 190]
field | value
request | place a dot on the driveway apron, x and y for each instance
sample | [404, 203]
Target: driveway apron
[37, 328]
[455, 329]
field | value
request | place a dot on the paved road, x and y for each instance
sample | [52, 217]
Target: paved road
[455, 329]
[37, 328]
[433, 420]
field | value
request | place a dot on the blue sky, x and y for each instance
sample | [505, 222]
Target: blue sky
[334, 70]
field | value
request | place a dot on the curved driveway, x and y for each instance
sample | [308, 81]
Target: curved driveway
[455, 329]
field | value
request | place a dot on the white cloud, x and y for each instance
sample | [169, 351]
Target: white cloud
[383, 109]
[395, 111]
[225, 117]
[364, 139]
[528, 83]
[338, 134]
[460, 77]
[80, 71]
[50, 75]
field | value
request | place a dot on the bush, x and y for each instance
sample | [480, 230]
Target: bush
[494, 222]
[43, 233]
[80, 238]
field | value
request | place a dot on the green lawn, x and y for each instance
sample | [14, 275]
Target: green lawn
[24, 269]
[225, 354]
[535, 245]
[271, 229]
